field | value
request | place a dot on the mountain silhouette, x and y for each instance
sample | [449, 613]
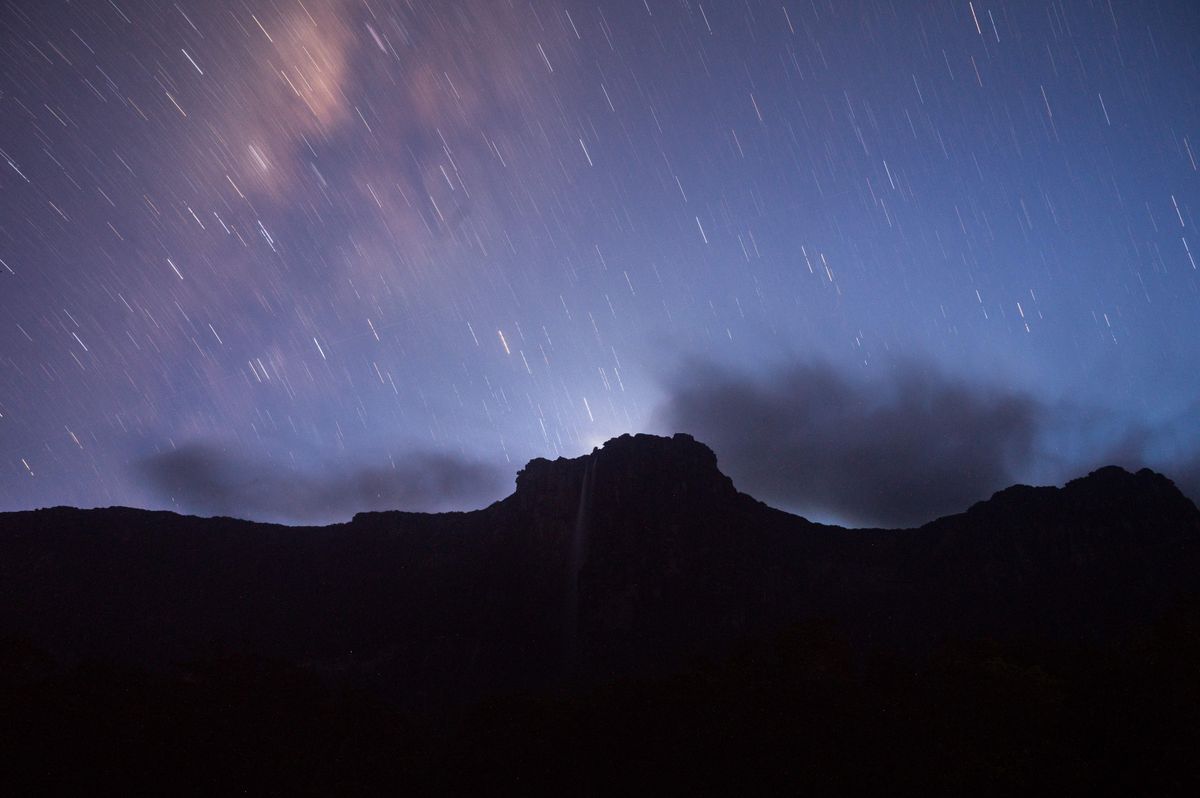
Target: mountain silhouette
[635, 561]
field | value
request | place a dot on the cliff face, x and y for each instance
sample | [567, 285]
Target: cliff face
[629, 559]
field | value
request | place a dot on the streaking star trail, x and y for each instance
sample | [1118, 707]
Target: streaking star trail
[252, 254]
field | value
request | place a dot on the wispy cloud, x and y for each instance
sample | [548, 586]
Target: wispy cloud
[206, 479]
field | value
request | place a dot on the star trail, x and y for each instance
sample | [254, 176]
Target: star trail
[385, 251]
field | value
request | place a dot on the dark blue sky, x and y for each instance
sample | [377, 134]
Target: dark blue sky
[289, 260]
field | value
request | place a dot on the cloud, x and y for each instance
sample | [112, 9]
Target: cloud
[897, 449]
[208, 480]
[1171, 446]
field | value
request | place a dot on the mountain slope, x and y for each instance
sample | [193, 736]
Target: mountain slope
[627, 560]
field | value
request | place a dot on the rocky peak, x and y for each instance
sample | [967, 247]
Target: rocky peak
[1109, 494]
[631, 468]
[1113, 483]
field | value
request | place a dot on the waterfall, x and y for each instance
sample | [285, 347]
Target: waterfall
[578, 550]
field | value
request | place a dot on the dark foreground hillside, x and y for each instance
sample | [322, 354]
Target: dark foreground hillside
[625, 618]
[793, 712]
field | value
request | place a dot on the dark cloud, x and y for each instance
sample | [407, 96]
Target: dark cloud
[206, 479]
[897, 449]
[1171, 446]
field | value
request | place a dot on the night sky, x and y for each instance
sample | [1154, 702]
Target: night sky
[290, 260]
